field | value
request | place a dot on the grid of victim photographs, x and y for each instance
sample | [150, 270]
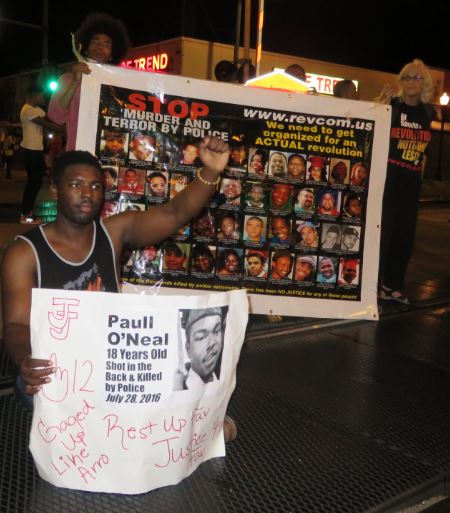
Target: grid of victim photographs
[277, 217]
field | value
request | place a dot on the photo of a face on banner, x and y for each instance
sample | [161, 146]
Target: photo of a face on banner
[326, 271]
[157, 185]
[280, 230]
[190, 154]
[317, 169]
[131, 181]
[281, 196]
[175, 256]
[204, 224]
[203, 258]
[305, 201]
[109, 208]
[331, 237]
[329, 203]
[359, 176]
[256, 263]
[203, 332]
[255, 228]
[306, 234]
[305, 268]
[230, 192]
[113, 143]
[296, 167]
[178, 182]
[350, 238]
[257, 162]
[238, 157]
[277, 164]
[146, 263]
[168, 152]
[229, 262]
[348, 271]
[142, 146]
[352, 205]
[339, 174]
[255, 196]
[281, 264]
[228, 227]
[110, 179]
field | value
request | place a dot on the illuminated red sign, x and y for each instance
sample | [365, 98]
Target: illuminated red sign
[158, 62]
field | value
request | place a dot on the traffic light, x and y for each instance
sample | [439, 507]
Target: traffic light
[49, 80]
[52, 85]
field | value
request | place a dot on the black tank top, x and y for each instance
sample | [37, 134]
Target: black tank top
[96, 272]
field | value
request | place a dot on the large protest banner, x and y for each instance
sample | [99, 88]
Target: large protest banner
[297, 213]
[141, 385]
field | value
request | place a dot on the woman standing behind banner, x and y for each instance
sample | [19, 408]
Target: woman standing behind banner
[100, 39]
[410, 135]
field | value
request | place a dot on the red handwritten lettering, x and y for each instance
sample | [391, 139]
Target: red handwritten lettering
[176, 426]
[60, 318]
[50, 433]
[126, 434]
[93, 469]
[199, 414]
[57, 390]
[194, 450]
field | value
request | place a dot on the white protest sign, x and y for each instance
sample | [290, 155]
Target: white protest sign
[141, 386]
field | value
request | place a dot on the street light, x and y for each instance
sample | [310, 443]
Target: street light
[443, 100]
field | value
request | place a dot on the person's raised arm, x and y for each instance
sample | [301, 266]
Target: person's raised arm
[69, 86]
[139, 229]
[18, 278]
[44, 122]
[386, 95]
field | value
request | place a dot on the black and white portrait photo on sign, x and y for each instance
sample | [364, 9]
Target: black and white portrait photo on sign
[200, 347]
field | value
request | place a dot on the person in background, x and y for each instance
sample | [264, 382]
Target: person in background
[34, 121]
[296, 71]
[9, 146]
[410, 111]
[345, 89]
[100, 39]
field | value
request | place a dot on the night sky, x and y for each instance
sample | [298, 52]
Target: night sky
[377, 35]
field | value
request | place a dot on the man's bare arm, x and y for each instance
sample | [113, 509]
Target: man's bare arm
[69, 89]
[139, 229]
[47, 124]
[18, 279]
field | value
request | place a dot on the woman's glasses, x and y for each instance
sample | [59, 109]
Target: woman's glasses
[414, 78]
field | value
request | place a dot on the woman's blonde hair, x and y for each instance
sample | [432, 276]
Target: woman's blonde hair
[427, 91]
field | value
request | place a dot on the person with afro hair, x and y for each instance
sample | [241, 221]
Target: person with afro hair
[101, 39]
